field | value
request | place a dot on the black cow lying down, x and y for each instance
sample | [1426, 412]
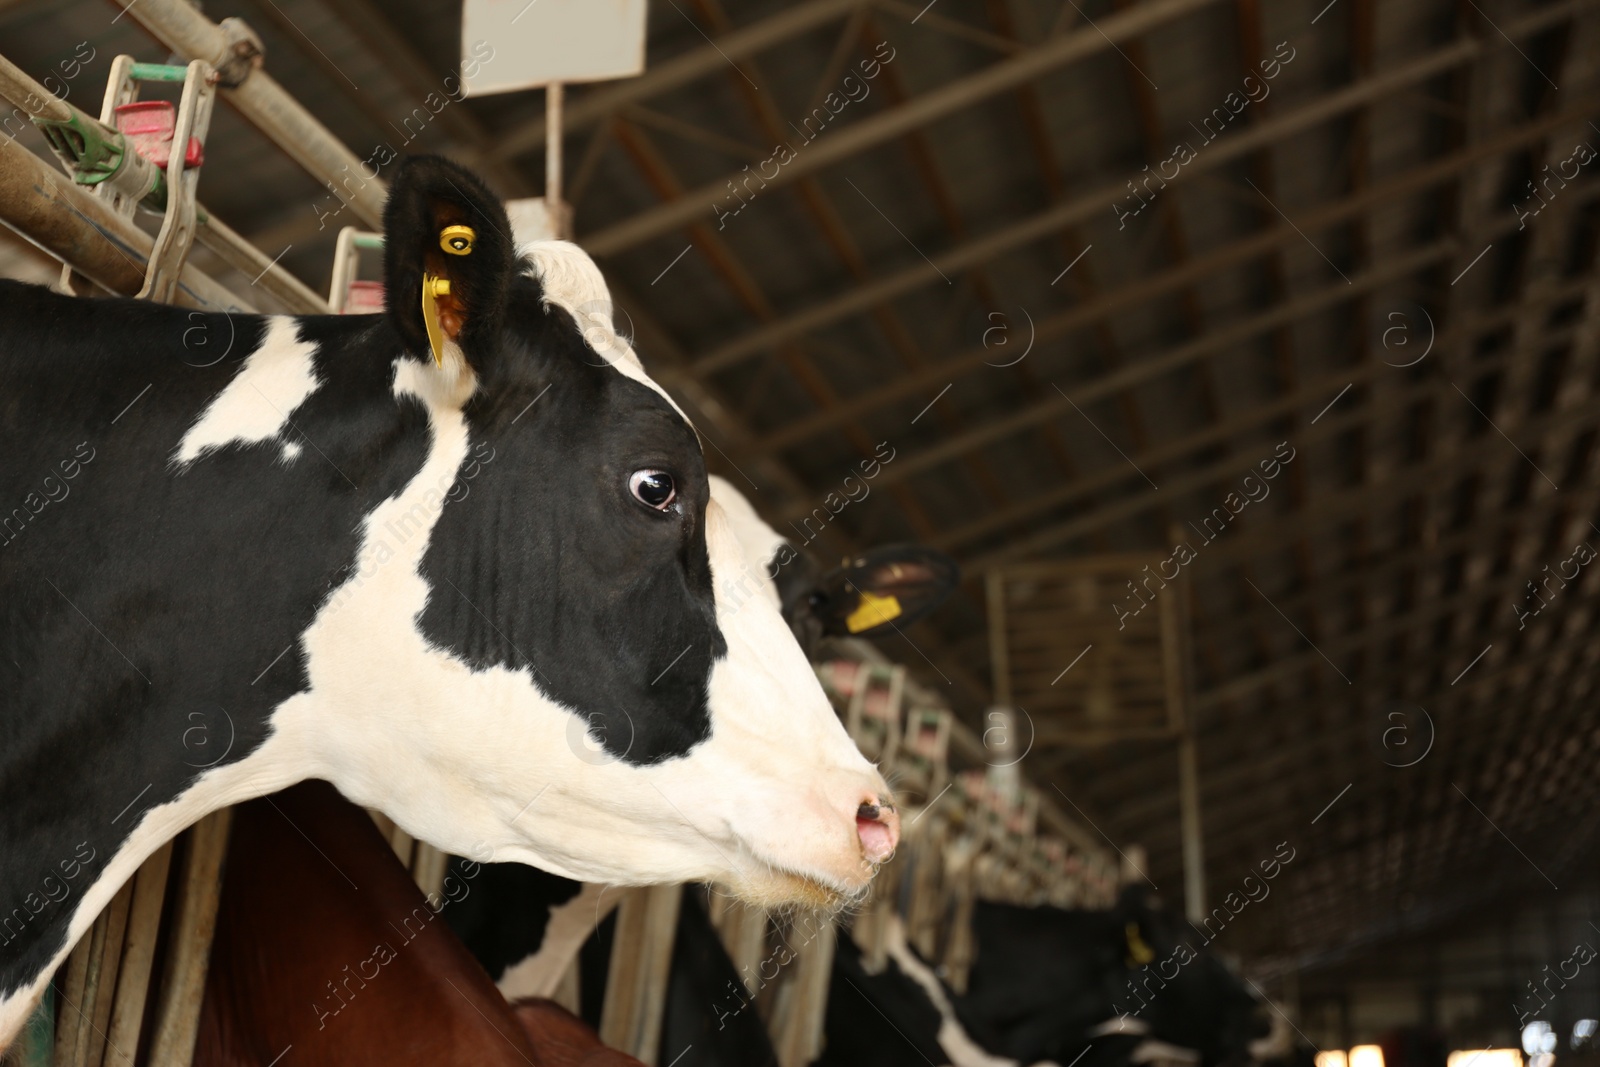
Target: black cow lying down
[1048, 985]
[462, 559]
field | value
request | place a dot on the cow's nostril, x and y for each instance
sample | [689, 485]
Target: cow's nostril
[878, 828]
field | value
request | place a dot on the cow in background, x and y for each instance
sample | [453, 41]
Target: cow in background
[1047, 985]
[460, 559]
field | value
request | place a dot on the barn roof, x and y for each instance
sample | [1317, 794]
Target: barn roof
[1089, 271]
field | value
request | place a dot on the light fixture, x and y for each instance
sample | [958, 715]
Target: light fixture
[1485, 1057]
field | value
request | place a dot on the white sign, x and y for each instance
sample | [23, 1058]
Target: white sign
[507, 45]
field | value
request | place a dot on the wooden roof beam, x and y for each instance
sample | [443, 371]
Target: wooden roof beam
[1224, 150]
[837, 237]
[885, 126]
[1408, 183]
[1050, 536]
[739, 280]
[1238, 810]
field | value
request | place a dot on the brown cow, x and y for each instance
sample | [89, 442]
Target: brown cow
[326, 952]
[563, 1039]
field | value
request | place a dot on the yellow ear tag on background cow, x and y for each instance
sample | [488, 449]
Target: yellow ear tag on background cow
[1139, 953]
[432, 289]
[872, 611]
[457, 240]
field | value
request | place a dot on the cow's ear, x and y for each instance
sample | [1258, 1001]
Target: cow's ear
[448, 260]
[883, 589]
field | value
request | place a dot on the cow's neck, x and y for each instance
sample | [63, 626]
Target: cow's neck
[153, 603]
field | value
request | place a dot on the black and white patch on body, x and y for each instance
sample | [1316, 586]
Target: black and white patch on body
[487, 595]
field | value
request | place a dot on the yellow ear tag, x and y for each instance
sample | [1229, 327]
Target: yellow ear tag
[1139, 953]
[872, 611]
[432, 289]
[457, 240]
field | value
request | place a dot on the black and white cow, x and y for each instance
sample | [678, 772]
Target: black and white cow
[485, 592]
[1127, 985]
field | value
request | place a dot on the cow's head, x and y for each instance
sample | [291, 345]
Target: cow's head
[872, 594]
[565, 671]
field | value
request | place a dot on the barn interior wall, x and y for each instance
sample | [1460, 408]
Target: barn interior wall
[1477, 981]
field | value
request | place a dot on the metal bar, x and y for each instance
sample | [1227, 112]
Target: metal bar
[814, 156]
[801, 1011]
[552, 148]
[1194, 849]
[158, 72]
[91, 149]
[110, 930]
[264, 103]
[245, 257]
[999, 661]
[33, 98]
[76, 227]
[22, 90]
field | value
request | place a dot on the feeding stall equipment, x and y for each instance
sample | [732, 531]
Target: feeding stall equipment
[1127, 677]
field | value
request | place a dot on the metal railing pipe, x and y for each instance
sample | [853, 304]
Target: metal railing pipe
[77, 227]
[235, 51]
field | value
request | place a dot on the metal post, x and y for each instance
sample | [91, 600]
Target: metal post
[803, 1002]
[77, 227]
[235, 51]
[1194, 855]
[1178, 666]
[999, 654]
[552, 145]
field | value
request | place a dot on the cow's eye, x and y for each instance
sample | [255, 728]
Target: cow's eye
[653, 488]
